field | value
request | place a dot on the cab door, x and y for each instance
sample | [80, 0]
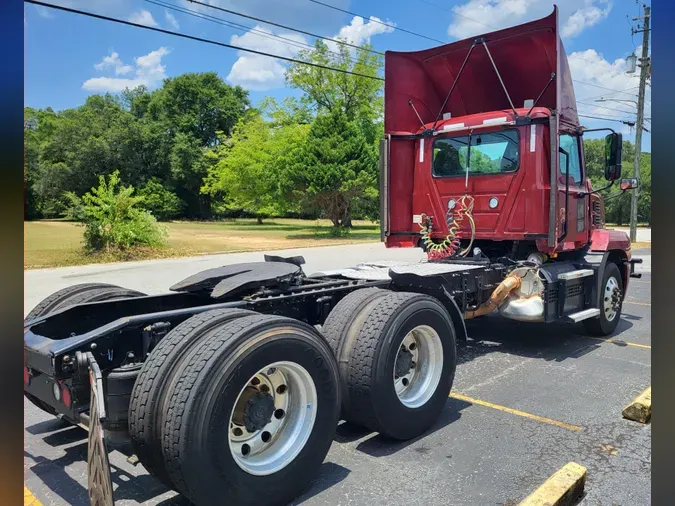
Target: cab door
[577, 219]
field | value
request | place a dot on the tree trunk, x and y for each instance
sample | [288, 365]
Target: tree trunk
[260, 222]
[347, 221]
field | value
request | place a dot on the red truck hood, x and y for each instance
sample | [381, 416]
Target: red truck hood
[525, 55]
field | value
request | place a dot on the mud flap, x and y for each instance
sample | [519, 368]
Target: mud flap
[98, 466]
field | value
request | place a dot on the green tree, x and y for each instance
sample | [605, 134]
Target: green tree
[199, 105]
[162, 203]
[252, 167]
[161, 135]
[327, 91]
[617, 206]
[336, 172]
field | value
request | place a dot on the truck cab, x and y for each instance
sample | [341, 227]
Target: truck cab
[505, 100]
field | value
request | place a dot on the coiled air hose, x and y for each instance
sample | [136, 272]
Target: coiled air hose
[450, 245]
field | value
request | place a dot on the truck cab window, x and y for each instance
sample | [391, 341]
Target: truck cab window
[491, 153]
[570, 143]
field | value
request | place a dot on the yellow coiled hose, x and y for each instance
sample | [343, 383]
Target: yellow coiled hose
[454, 218]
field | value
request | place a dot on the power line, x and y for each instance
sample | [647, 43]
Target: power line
[198, 39]
[376, 21]
[605, 114]
[337, 41]
[603, 107]
[601, 87]
[613, 93]
[231, 24]
[606, 119]
[240, 27]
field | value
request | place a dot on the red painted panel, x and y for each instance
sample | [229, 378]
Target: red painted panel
[606, 240]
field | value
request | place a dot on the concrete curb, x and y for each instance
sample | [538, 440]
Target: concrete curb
[563, 488]
[640, 410]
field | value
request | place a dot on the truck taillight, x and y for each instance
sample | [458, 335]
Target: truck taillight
[26, 376]
[65, 396]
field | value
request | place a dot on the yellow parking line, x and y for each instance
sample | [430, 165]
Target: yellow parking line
[29, 499]
[617, 341]
[549, 421]
[636, 303]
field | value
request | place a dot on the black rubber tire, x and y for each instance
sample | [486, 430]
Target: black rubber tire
[163, 365]
[343, 322]
[370, 356]
[71, 296]
[80, 294]
[199, 405]
[601, 326]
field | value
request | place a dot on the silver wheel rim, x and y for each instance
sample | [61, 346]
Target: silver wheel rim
[271, 446]
[423, 351]
[611, 298]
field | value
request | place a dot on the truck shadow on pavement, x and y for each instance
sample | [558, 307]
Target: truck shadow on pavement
[545, 341]
[52, 472]
[378, 445]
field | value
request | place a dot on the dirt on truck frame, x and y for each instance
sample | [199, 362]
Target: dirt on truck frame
[481, 166]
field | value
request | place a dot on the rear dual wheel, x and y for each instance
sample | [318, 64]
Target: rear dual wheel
[397, 357]
[246, 413]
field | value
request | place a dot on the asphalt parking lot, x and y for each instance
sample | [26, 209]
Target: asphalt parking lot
[527, 399]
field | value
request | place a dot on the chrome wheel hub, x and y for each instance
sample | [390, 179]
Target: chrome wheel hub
[418, 366]
[272, 418]
[611, 299]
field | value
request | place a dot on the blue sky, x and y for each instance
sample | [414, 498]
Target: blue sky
[68, 57]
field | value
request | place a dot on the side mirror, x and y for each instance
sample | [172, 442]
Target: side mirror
[613, 144]
[629, 184]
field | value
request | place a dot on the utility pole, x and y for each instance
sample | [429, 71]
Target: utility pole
[644, 71]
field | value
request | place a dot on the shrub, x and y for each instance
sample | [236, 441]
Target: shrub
[162, 203]
[113, 220]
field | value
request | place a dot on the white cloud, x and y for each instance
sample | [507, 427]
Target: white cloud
[171, 19]
[597, 78]
[148, 71]
[359, 32]
[143, 17]
[480, 16]
[113, 61]
[584, 18]
[257, 72]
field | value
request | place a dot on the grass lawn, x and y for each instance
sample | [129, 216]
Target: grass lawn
[59, 243]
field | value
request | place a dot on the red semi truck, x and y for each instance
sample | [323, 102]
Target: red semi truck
[231, 385]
